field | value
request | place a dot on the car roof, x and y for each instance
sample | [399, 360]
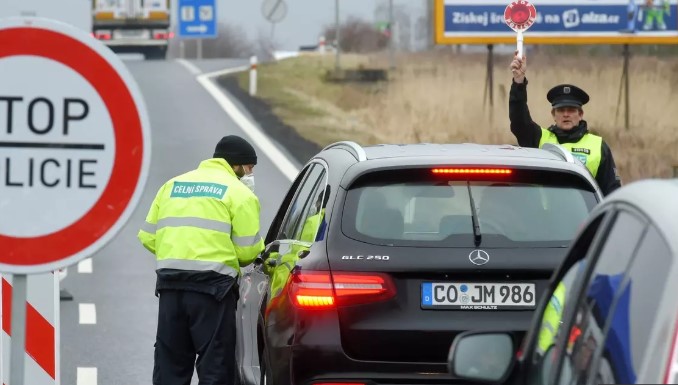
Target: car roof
[656, 198]
[458, 150]
[373, 157]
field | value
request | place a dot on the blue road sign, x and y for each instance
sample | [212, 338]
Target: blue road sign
[560, 22]
[197, 19]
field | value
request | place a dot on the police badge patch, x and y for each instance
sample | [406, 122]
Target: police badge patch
[581, 157]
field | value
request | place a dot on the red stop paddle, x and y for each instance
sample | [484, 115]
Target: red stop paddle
[519, 16]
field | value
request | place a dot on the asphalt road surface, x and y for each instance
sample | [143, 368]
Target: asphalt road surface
[108, 329]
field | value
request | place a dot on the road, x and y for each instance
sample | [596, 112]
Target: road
[108, 329]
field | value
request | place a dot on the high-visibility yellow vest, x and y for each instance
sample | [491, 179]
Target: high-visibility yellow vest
[204, 220]
[588, 149]
[550, 321]
[311, 226]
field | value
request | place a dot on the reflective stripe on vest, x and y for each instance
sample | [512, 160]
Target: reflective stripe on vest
[247, 241]
[207, 224]
[588, 149]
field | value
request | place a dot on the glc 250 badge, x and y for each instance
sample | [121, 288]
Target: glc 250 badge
[366, 257]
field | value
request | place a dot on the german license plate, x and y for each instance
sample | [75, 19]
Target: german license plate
[477, 296]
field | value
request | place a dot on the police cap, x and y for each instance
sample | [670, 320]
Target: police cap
[567, 95]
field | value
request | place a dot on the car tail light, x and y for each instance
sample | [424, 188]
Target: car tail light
[103, 35]
[322, 289]
[162, 35]
[671, 374]
[472, 171]
[312, 289]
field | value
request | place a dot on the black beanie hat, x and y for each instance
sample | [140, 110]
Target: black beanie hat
[235, 150]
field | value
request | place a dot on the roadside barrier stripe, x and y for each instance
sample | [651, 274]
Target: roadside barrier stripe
[39, 332]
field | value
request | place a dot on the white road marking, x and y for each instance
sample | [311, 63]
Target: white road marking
[257, 137]
[87, 376]
[85, 266]
[189, 66]
[88, 314]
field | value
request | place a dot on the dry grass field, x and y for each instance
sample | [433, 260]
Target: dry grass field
[440, 97]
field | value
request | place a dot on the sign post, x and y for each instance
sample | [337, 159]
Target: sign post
[18, 344]
[197, 20]
[519, 16]
[274, 11]
[75, 142]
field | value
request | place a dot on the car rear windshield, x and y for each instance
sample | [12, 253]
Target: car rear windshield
[526, 208]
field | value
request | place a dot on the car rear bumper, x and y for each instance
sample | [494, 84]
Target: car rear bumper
[136, 43]
[323, 364]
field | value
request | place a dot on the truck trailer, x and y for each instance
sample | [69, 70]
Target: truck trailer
[133, 26]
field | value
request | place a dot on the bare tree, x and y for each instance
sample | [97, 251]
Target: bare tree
[265, 46]
[402, 28]
[231, 42]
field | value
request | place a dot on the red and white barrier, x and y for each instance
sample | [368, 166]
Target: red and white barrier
[42, 363]
[321, 44]
[253, 75]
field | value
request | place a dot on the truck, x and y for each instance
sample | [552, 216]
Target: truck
[133, 26]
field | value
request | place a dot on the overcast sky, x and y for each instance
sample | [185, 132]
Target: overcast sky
[305, 18]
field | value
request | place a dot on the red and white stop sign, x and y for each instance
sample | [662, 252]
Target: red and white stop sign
[74, 145]
[520, 15]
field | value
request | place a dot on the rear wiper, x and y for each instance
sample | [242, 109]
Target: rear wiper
[477, 237]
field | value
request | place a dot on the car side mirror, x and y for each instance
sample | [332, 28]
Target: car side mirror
[264, 255]
[483, 357]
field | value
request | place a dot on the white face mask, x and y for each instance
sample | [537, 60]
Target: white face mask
[248, 180]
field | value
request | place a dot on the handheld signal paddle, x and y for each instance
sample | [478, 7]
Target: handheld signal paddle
[519, 16]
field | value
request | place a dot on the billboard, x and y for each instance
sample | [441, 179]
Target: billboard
[560, 22]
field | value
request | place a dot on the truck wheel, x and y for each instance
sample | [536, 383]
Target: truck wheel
[156, 53]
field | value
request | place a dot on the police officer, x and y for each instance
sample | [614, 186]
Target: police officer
[570, 129]
[202, 227]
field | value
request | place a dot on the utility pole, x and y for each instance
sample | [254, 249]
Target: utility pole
[391, 28]
[429, 27]
[337, 37]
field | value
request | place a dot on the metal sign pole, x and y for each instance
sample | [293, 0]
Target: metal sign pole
[18, 330]
[337, 37]
[391, 45]
[627, 107]
[274, 11]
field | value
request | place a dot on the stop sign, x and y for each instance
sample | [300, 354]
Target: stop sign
[74, 145]
[520, 15]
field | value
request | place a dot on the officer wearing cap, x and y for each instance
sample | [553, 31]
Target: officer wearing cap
[202, 227]
[569, 129]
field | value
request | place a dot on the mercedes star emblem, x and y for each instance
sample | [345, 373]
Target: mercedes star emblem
[479, 257]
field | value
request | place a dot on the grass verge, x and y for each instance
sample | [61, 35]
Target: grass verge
[442, 97]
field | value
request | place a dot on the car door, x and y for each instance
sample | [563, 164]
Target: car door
[253, 287]
[586, 304]
[627, 346]
[296, 233]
